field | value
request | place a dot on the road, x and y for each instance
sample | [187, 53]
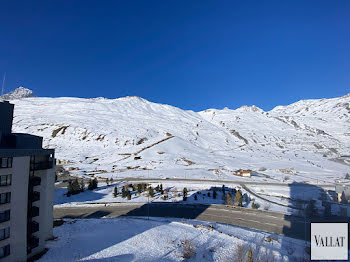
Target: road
[267, 221]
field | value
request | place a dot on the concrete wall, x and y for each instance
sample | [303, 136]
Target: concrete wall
[18, 207]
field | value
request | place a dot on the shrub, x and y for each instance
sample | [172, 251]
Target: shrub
[255, 205]
[250, 255]
[188, 249]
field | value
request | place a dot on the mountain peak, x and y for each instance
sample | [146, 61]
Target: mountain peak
[18, 93]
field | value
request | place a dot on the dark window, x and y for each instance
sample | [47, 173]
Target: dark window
[5, 198]
[5, 180]
[4, 251]
[4, 233]
[6, 162]
[4, 216]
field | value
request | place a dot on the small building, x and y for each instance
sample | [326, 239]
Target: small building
[340, 189]
[288, 171]
[244, 173]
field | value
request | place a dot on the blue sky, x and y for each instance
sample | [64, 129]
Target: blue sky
[191, 54]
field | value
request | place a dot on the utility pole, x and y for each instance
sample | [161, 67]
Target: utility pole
[3, 84]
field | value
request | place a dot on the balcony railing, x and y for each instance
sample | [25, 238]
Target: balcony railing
[33, 242]
[33, 212]
[34, 196]
[35, 181]
[43, 165]
[33, 227]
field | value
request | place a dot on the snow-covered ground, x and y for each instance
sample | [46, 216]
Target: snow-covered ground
[138, 239]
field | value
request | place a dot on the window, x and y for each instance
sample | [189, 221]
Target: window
[6, 162]
[4, 233]
[5, 180]
[4, 251]
[4, 216]
[5, 198]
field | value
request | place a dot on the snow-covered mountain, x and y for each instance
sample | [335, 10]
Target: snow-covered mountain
[18, 93]
[131, 136]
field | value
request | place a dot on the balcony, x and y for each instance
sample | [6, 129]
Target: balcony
[33, 212]
[43, 165]
[34, 196]
[33, 227]
[34, 181]
[33, 242]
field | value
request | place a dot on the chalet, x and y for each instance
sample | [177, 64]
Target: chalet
[244, 173]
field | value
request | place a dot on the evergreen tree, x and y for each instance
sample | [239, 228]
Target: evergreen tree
[157, 188]
[128, 193]
[139, 189]
[111, 180]
[123, 192]
[223, 189]
[82, 185]
[69, 188]
[310, 209]
[75, 187]
[115, 193]
[347, 176]
[94, 183]
[214, 194]
[151, 191]
[161, 189]
[229, 199]
[90, 186]
[238, 198]
[107, 181]
[184, 194]
[343, 199]
[195, 197]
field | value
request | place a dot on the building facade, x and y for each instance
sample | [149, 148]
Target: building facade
[27, 177]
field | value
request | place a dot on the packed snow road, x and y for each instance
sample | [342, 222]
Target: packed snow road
[283, 224]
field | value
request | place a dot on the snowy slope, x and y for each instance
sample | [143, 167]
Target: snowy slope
[130, 135]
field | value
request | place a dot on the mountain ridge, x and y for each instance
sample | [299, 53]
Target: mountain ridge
[130, 134]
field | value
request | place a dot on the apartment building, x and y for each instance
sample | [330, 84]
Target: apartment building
[27, 176]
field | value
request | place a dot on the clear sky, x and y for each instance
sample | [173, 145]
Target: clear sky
[191, 54]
